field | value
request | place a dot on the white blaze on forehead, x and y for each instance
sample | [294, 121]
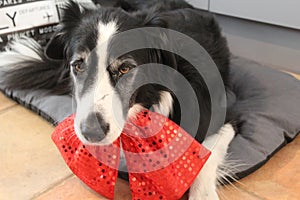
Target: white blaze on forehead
[101, 95]
[103, 85]
[106, 100]
[106, 31]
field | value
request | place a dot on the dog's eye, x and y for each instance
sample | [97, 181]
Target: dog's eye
[124, 69]
[78, 66]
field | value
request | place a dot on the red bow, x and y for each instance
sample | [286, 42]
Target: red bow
[162, 159]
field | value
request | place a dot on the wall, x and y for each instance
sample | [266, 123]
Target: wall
[265, 43]
[266, 31]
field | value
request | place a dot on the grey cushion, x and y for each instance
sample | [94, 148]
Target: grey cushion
[266, 109]
[54, 108]
[262, 102]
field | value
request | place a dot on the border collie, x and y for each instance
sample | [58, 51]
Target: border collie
[64, 68]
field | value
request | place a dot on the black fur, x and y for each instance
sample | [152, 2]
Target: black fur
[78, 30]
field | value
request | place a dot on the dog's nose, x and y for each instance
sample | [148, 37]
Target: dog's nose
[93, 128]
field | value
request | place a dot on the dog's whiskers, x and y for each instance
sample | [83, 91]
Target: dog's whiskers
[226, 173]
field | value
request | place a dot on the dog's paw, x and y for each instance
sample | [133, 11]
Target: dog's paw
[205, 185]
[204, 194]
[204, 188]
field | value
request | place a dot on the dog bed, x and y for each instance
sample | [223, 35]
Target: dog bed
[262, 102]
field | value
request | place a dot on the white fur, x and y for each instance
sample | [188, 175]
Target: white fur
[165, 105]
[205, 185]
[135, 109]
[18, 51]
[84, 108]
[102, 96]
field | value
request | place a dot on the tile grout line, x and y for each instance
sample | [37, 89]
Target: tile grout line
[52, 186]
[4, 110]
[250, 193]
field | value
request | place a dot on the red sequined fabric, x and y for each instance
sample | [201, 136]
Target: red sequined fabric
[98, 176]
[162, 159]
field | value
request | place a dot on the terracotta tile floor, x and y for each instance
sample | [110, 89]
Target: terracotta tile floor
[31, 167]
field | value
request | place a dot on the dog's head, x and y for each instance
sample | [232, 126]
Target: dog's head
[103, 83]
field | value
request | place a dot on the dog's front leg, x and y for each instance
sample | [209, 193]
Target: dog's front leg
[205, 185]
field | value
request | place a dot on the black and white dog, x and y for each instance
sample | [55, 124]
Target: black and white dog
[66, 68]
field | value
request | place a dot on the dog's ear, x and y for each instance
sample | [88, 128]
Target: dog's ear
[71, 16]
[55, 48]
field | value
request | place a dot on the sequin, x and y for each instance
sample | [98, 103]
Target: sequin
[173, 155]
